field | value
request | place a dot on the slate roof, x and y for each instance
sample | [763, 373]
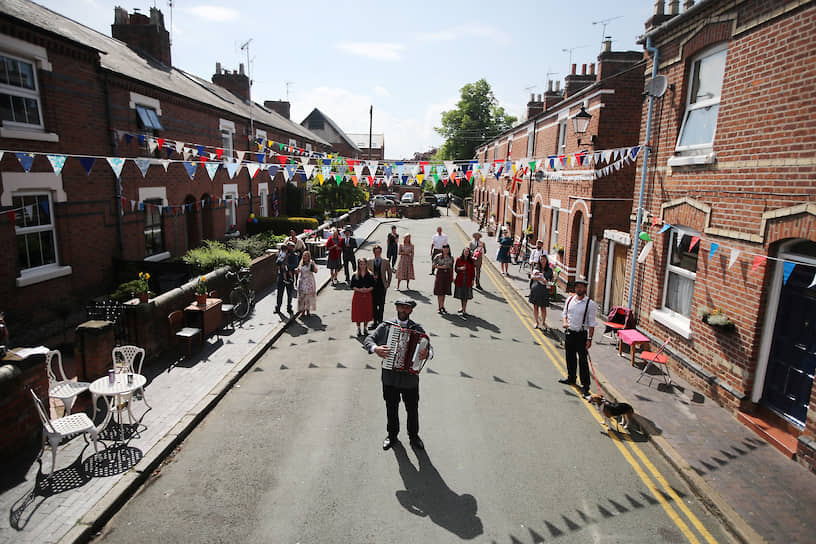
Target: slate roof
[361, 139]
[334, 126]
[117, 57]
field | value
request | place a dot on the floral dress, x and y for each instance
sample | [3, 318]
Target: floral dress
[405, 267]
[307, 288]
[444, 275]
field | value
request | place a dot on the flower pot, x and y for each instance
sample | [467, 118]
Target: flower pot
[201, 299]
[143, 297]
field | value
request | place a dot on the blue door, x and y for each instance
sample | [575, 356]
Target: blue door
[792, 362]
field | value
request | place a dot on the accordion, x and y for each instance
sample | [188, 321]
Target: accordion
[404, 346]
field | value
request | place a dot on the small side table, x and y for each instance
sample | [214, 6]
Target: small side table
[633, 339]
[206, 317]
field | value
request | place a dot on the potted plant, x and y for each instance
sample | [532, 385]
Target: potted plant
[716, 318]
[143, 287]
[201, 291]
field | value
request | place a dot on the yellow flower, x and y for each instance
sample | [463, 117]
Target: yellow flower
[203, 279]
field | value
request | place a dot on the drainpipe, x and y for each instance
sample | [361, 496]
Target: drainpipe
[117, 184]
[655, 61]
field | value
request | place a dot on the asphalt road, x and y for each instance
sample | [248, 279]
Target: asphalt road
[293, 453]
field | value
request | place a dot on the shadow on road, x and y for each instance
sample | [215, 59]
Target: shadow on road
[427, 494]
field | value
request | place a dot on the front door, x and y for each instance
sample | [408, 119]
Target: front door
[792, 361]
[618, 276]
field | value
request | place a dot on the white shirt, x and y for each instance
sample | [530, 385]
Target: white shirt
[574, 310]
[535, 255]
[439, 240]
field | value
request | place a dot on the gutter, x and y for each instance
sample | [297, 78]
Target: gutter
[674, 20]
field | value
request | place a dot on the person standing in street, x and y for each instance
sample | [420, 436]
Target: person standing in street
[579, 326]
[362, 308]
[380, 269]
[505, 243]
[536, 253]
[307, 286]
[398, 384]
[334, 248]
[443, 264]
[300, 246]
[477, 251]
[349, 245]
[405, 267]
[540, 279]
[439, 239]
[287, 264]
[463, 284]
[392, 246]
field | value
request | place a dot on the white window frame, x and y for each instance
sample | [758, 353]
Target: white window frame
[308, 148]
[230, 204]
[561, 145]
[137, 99]
[24, 93]
[227, 129]
[665, 315]
[554, 226]
[701, 104]
[38, 55]
[263, 193]
[36, 274]
[293, 142]
[156, 193]
[530, 142]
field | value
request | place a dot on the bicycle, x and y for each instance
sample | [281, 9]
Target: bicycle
[242, 297]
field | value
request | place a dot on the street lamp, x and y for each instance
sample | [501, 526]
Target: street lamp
[580, 123]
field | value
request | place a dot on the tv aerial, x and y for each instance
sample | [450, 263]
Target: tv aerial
[605, 22]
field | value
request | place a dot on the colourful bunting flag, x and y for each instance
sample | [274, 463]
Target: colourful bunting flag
[694, 240]
[252, 168]
[232, 168]
[787, 269]
[87, 163]
[57, 163]
[758, 260]
[116, 164]
[735, 253]
[712, 250]
[26, 160]
[191, 169]
[654, 220]
[666, 227]
[143, 165]
[211, 168]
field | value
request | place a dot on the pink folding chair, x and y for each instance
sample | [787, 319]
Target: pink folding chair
[654, 359]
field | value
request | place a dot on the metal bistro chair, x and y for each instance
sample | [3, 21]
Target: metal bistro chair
[179, 331]
[65, 427]
[129, 359]
[656, 358]
[62, 388]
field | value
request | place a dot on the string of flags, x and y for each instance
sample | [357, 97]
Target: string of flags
[788, 266]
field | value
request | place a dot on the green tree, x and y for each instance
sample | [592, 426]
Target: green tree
[477, 119]
[331, 196]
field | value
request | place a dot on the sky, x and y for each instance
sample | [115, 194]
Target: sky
[409, 60]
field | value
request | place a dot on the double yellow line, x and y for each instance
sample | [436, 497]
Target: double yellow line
[628, 448]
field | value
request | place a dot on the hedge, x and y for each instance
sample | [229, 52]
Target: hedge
[213, 255]
[282, 225]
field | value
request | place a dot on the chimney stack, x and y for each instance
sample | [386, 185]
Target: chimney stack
[552, 97]
[534, 107]
[660, 15]
[146, 35]
[674, 7]
[575, 82]
[234, 82]
[281, 106]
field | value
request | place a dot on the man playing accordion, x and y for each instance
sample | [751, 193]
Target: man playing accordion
[396, 383]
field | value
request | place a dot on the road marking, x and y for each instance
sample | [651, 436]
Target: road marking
[548, 347]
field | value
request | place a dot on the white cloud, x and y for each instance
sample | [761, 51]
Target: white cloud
[381, 91]
[403, 136]
[466, 30]
[372, 50]
[215, 13]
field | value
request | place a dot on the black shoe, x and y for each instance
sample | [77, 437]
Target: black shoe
[372, 326]
[389, 442]
[417, 443]
[277, 309]
[290, 311]
[566, 381]
[585, 393]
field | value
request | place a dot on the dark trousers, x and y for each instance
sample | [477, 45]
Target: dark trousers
[378, 297]
[392, 255]
[410, 397]
[290, 290]
[576, 353]
[346, 262]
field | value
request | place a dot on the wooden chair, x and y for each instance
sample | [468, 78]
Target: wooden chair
[654, 359]
[227, 313]
[179, 331]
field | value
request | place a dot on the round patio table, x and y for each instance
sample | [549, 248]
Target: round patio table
[114, 391]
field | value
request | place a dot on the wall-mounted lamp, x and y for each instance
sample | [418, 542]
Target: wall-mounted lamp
[580, 123]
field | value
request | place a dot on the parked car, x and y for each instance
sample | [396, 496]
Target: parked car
[381, 200]
[442, 200]
[393, 197]
[429, 199]
[407, 198]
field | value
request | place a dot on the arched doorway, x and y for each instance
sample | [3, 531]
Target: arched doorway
[207, 228]
[787, 382]
[191, 222]
[536, 220]
[575, 256]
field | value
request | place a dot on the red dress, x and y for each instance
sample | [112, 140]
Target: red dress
[362, 304]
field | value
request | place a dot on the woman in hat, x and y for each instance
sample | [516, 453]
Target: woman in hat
[362, 302]
[443, 265]
[465, 273]
[505, 243]
[540, 279]
[307, 286]
[334, 246]
[405, 267]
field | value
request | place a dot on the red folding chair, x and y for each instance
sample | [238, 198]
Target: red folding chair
[654, 359]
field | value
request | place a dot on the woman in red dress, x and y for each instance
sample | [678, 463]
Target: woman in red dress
[465, 273]
[362, 302]
[334, 246]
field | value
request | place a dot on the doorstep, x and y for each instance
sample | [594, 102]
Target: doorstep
[772, 431]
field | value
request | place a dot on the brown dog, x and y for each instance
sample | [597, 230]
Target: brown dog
[621, 412]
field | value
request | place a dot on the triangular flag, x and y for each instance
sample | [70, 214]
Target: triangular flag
[644, 253]
[812, 283]
[191, 169]
[143, 165]
[712, 250]
[26, 160]
[232, 168]
[735, 253]
[654, 220]
[87, 163]
[787, 268]
[287, 173]
[358, 169]
[165, 164]
[252, 168]
[354, 180]
[420, 177]
[128, 138]
[372, 167]
[211, 168]
[116, 164]
[694, 240]
[666, 227]
[57, 163]
[338, 179]
[758, 260]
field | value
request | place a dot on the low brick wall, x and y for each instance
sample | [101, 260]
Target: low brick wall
[20, 426]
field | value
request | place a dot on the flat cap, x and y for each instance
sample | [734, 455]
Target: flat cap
[405, 301]
[582, 280]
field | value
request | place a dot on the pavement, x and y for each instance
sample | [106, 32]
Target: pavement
[759, 494]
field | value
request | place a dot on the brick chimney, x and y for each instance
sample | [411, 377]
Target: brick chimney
[575, 82]
[280, 106]
[146, 35]
[660, 15]
[552, 97]
[611, 62]
[235, 82]
[534, 106]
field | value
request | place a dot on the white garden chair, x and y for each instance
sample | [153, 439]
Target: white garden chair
[65, 427]
[61, 387]
[129, 359]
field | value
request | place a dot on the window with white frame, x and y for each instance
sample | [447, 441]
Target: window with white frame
[703, 100]
[230, 205]
[264, 207]
[154, 239]
[530, 141]
[34, 230]
[227, 129]
[19, 93]
[292, 142]
[561, 146]
[554, 227]
[681, 271]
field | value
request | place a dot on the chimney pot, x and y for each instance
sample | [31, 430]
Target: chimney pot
[687, 4]
[607, 46]
[217, 67]
[241, 68]
[583, 69]
[558, 86]
[549, 86]
[674, 7]
[539, 98]
[574, 66]
[532, 97]
[659, 7]
[592, 69]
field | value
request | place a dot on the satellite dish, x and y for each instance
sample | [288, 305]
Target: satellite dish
[656, 87]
